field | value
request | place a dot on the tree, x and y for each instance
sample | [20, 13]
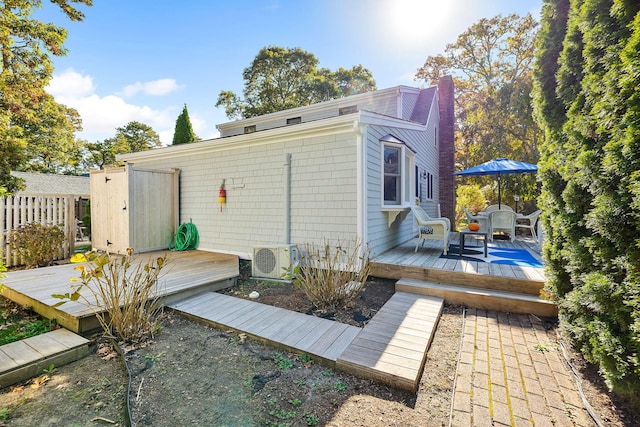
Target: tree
[491, 63]
[26, 68]
[99, 154]
[588, 103]
[51, 145]
[134, 137]
[183, 133]
[281, 78]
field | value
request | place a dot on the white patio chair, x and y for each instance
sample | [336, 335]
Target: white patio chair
[503, 221]
[431, 228]
[482, 220]
[493, 208]
[529, 222]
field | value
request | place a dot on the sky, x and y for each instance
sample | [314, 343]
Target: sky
[143, 60]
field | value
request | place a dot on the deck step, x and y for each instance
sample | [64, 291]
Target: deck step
[24, 359]
[511, 302]
[392, 347]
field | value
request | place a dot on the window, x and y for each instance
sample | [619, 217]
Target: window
[424, 185]
[294, 120]
[392, 181]
[347, 110]
[250, 129]
[398, 175]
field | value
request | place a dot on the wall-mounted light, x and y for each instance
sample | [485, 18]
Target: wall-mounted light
[424, 174]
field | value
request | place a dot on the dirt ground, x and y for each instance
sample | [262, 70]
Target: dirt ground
[192, 374]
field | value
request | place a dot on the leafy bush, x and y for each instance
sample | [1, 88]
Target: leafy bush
[86, 219]
[332, 276]
[471, 197]
[37, 245]
[126, 288]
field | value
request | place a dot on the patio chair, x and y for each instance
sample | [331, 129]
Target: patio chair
[482, 220]
[502, 221]
[501, 207]
[431, 228]
[529, 222]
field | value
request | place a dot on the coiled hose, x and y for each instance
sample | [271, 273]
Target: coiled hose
[186, 238]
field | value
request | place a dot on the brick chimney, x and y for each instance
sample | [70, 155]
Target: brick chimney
[446, 147]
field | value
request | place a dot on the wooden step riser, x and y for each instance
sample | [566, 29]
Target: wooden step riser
[506, 284]
[478, 298]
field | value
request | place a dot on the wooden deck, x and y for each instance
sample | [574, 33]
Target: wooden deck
[28, 358]
[392, 263]
[391, 348]
[472, 283]
[187, 273]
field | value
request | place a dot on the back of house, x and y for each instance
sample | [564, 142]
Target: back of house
[340, 170]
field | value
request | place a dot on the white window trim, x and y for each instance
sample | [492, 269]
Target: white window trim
[407, 178]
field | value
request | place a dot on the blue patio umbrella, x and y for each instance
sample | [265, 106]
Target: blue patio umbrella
[498, 167]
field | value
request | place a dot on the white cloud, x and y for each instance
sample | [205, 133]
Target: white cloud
[101, 115]
[154, 88]
[198, 124]
[71, 84]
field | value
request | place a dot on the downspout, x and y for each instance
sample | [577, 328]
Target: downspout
[287, 198]
[361, 182]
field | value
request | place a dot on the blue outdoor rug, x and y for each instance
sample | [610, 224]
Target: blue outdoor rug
[517, 257]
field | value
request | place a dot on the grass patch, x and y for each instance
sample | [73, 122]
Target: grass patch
[18, 323]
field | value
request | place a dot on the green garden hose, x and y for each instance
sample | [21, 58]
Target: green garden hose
[186, 238]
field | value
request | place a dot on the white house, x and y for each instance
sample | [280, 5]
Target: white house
[342, 169]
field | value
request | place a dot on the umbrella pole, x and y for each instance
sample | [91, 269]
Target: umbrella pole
[499, 194]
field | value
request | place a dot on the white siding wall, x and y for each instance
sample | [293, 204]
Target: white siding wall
[323, 192]
[380, 236]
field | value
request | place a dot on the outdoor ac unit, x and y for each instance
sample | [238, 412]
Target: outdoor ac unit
[275, 261]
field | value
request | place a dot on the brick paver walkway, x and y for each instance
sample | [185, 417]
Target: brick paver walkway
[511, 372]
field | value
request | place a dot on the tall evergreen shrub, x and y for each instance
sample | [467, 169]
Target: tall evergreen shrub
[183, 133]
[587, 99]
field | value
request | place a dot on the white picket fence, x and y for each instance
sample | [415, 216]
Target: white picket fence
[44, 209]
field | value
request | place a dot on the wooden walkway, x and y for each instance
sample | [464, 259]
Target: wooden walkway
[391, 348]
[28, 358]
[187, 273]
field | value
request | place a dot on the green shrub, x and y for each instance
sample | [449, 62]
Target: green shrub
[471, 197]
[332, 276]
[37, 245]
[586, 100]
[86, 220]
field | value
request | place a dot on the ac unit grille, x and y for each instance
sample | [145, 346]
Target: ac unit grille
[273, 262]
[265, 260]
